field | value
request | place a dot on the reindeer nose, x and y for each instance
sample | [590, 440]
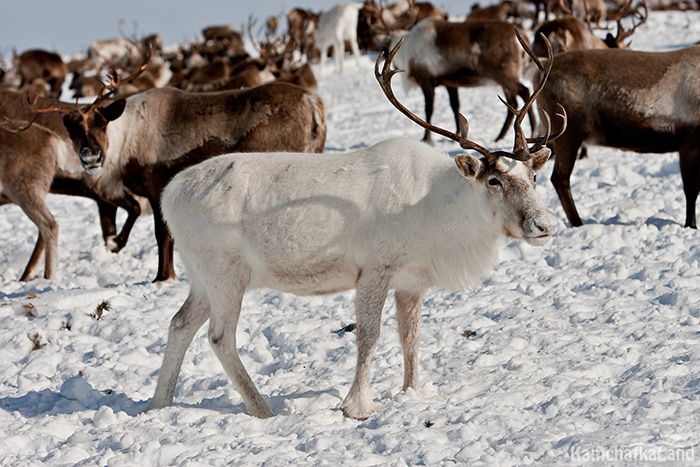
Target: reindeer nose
[545, 224]
[88, 157]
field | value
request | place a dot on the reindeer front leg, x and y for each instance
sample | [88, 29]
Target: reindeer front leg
[371, 294]
[166, 270]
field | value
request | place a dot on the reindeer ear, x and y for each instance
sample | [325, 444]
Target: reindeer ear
[470, 166]
[539, 158]
[114, 110]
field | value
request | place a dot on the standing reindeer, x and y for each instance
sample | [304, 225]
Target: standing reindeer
[639, 101]
[138, 144]
[36, 158]
[29, 159]
[398, 215]
[472, 53]
[335, 26]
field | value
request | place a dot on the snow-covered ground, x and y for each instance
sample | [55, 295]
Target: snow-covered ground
[585, 349]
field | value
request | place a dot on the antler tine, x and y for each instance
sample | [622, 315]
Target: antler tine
[32, 105]
[640, 12]
[412, 14]
[115, 81]
[384, 78]
[520, 144]
[258, 46]
[542, 140]
[15, 127]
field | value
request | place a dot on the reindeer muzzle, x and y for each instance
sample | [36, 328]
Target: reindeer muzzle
[91, 161]
[538, 230]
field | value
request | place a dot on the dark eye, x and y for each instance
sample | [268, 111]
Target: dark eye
[534, 178]
[494, 182]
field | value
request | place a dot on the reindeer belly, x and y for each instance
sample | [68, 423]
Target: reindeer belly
[314, 277]
[302, 246]
[641, 133]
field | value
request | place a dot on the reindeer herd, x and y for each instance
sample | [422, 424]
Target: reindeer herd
[227, 150]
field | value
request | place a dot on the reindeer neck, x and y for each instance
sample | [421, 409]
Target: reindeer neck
[165, 125]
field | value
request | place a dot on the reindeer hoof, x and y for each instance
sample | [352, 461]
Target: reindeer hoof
[114, 244]
[359, 408]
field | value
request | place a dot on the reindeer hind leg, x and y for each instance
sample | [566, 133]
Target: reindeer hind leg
[690, 173]
[225, 312]
[184, 325]
[47, 240]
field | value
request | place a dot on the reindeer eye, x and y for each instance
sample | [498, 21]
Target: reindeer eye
[534, 178]
[494, 181]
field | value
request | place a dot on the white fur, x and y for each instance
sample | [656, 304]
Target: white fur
[66, 158]
[335, 26]
[672, 100]
[398, 215]
[418, 47]
[117, 50]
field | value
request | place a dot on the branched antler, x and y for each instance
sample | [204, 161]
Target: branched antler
[10, 125]
[115, 81]
[520, 147]
[384, 77]
[521, 151]
[30, 104]
[639, 14]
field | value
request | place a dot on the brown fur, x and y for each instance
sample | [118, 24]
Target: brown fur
[26, 185]
[28, 171]
[478, 53]
[566, 33]
[40, 64]
[498, 12]
[608, 96]
[302, 26]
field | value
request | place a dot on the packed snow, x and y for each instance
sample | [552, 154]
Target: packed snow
[585, 349]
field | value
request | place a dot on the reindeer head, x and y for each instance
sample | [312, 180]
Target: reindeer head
[87, 125]
[88, 132]
[639, 16]
[508, 178]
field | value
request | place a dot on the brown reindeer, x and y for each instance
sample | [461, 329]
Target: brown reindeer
[472, 53]
[302, 28]
[138, 144]
[570, 33]
[497, 12]
[39, 64]
[36, 160]
[28, 162]
[639, 101]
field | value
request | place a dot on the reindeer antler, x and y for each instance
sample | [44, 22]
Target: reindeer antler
[10, 125]
[114, 82]
[520, 147]
[31, 105]
[264, 55]
[107, 90]
[384, 77]
[521, 151]
[641, 13]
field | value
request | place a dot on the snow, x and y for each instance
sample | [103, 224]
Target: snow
[585, 349]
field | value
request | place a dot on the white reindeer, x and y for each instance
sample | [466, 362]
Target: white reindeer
[398, 215]
[335, 26]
